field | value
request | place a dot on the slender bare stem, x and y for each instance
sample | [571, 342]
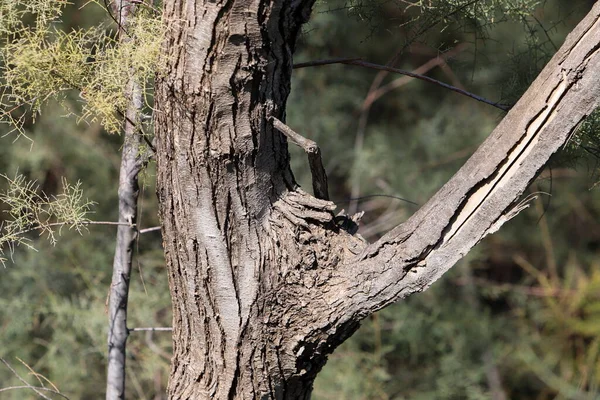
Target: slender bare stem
[152, 229]
[325, 62]
[64, 223]
[43, 389]
[132, 162]
[366, 64]
[27, 385]
[160, 329]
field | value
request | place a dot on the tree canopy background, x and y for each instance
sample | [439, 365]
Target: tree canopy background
[518, 316]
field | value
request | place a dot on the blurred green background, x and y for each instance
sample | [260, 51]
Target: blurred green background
[518, 318]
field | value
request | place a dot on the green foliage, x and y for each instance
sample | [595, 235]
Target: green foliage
[40, 62]
[116, 65]
[52, 311]
[16, 14]
[31, 210]
[53, 304]
[422, 15]
[483, 12]
[585, 139]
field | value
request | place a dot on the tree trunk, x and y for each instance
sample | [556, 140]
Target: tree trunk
[264, 283]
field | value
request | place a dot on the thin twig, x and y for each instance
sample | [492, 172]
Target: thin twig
[6, 389]
[153, 229]
[127, 119]
[139, 127]
[365, 64]
[29, 102]
[156, 348]
[425, 78]
[110, 13]
[375, 92]
[53, 224]
[23, 380]
[438, 61]
[39, 377]
[159, 329]
[546, 32]
[319, 177]
[325, 62]
[369, 196]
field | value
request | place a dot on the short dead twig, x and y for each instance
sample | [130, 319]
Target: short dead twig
[319, 177]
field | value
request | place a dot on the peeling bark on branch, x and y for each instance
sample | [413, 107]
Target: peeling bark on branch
[264, 283]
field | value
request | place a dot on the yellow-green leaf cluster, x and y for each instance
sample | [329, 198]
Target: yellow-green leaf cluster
[116, 65]
[29, 209]
[39, 62]
[486, 11]
[45, 64]
[16, 15]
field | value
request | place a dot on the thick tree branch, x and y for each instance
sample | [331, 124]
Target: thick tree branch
[265, 283]
[483, 193]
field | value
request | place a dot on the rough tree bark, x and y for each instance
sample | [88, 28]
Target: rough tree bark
[264, 284]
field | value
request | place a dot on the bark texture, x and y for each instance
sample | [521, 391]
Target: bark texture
[264, 283]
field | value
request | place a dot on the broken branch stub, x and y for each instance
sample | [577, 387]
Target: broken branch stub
[319, 176]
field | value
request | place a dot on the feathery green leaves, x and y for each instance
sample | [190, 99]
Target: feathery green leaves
[30, 209]
[39, 62]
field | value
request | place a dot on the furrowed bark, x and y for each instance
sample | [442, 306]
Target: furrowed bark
[131, 164]
[223, 171]
[264, 283]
